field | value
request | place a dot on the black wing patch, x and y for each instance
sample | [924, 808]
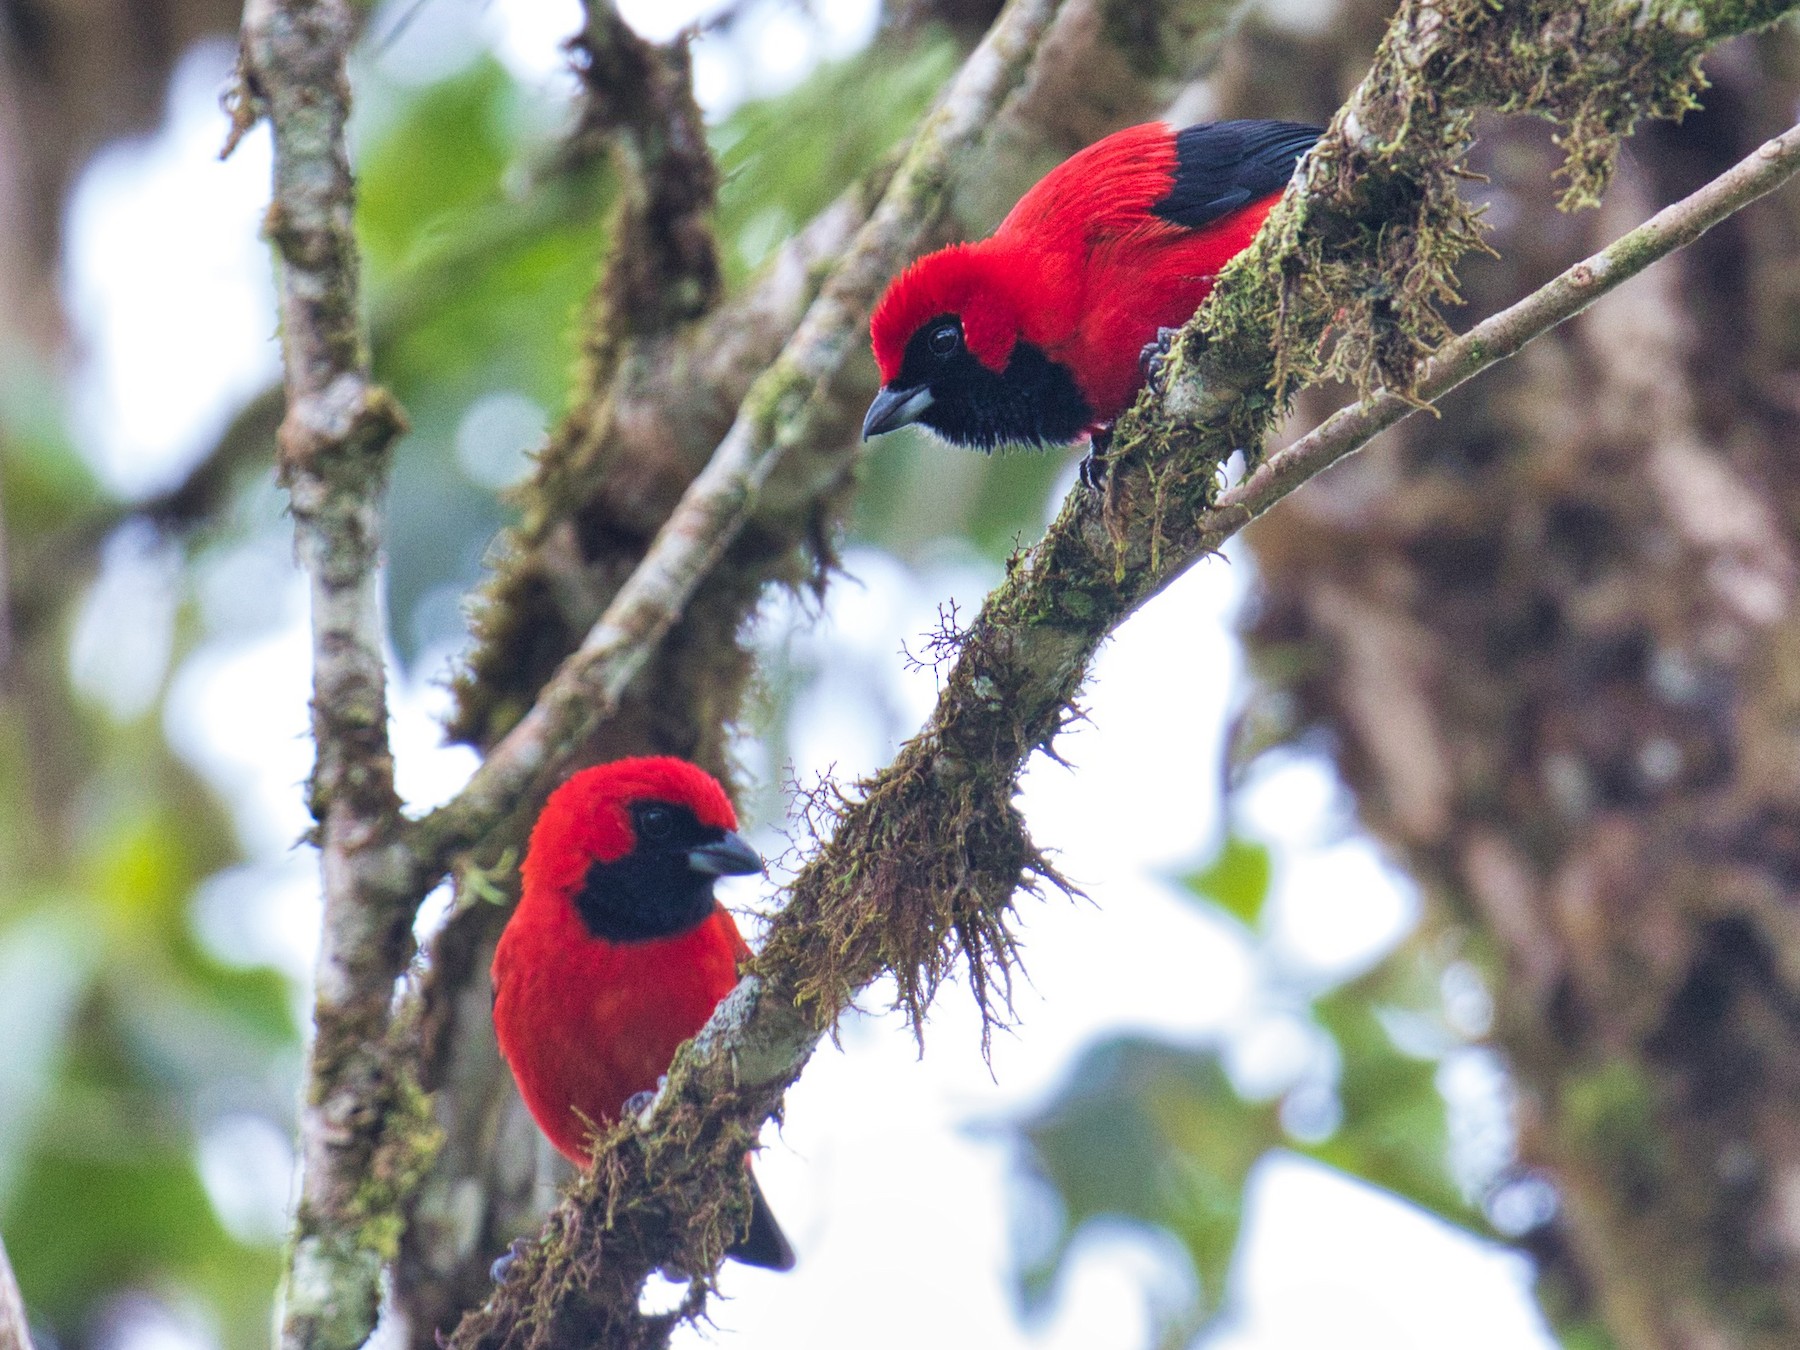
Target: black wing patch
[1220, 166]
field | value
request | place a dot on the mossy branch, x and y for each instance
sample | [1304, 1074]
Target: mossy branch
[663, 271]
[925, 858]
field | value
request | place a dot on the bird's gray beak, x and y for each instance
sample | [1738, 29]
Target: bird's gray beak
[728, 857]
[894, 408]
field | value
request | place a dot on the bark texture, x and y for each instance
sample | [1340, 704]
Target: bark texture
[1552, 643]
[360, 1139]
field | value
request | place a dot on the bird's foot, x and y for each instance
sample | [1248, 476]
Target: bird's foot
[503, 1264]
[1155, 356]
[639, 1102]
[1095, 467]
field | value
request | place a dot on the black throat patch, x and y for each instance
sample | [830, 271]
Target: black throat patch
[652, 892]
[1034, 401]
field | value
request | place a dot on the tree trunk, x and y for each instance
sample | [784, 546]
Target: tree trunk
[1553, 644]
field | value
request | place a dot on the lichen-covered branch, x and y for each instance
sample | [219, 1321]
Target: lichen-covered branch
[925, 859]
[333, 457]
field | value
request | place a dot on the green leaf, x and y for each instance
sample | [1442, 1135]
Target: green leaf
[443, 156]
[1155, 1133]
[44, 482]
[1237, 880]
[1394, 1130]
[82, 1224]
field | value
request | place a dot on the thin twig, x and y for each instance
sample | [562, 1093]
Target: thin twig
[333, 454]
[1500, 336]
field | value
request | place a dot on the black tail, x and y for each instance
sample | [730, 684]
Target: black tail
[763, 1243]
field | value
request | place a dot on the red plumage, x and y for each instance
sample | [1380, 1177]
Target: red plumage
[584, 1021]
[1117, 242]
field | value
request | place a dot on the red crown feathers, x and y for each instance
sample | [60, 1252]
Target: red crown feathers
[986, 286]
[587, 819]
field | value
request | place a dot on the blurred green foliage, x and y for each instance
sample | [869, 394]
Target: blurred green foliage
[1237, 880]
[1153, 1133]
[915, 499]
[777, 170]
[1158, 1134]
[124, 1037]
[477, 261]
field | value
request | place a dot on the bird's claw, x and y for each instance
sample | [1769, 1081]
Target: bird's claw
[503, 1263]
[1095, 467]
[1155, 355]
[1093, 473]
[639, 1102]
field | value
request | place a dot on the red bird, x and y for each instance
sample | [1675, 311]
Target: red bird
[1038, 333]
[618, 951]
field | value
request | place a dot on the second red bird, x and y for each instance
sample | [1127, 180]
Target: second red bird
[1036, 334]
[618, 951]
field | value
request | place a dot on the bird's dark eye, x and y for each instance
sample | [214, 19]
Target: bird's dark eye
[655, 823]
[945, 340]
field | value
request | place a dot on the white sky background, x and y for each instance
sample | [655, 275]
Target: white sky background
[887, 1175]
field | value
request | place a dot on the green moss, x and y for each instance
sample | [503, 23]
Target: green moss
[929, 858]
[410, 1139]
[776, 397]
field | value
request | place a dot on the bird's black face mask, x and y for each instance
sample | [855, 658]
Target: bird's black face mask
[941, 385]
[664, 886]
